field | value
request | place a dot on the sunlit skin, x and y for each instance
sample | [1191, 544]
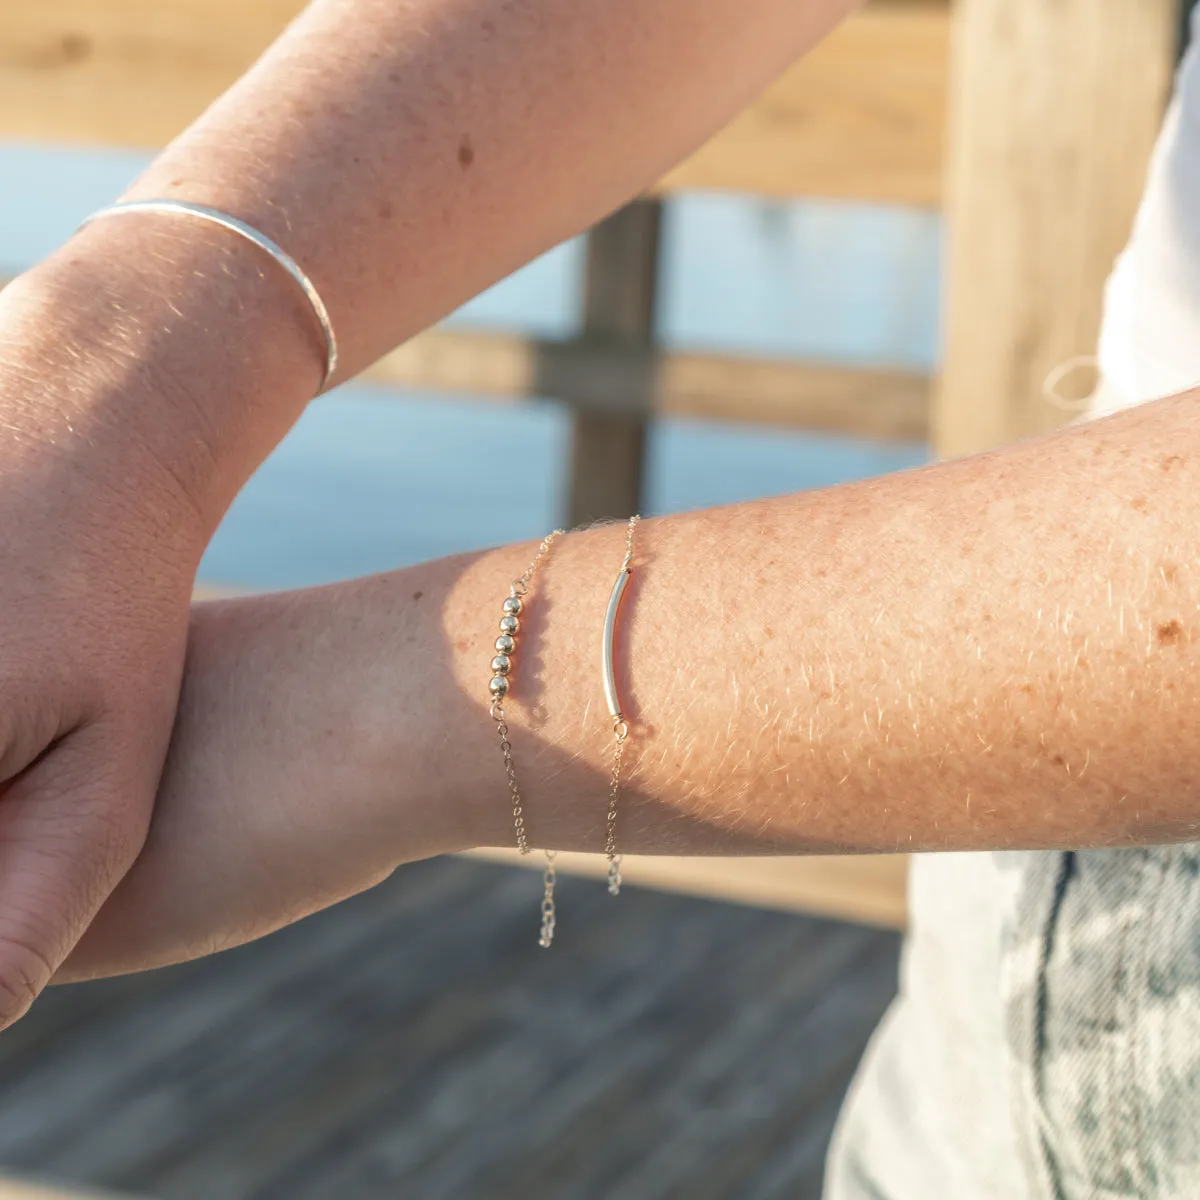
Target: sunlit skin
[407, 153]
[995, 652]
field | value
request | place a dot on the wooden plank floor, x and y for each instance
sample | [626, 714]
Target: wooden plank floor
[415, 1042]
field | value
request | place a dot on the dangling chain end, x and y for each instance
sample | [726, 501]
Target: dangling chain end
[614, 875]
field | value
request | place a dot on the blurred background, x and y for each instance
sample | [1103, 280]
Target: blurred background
[375, 477]
[768, 323]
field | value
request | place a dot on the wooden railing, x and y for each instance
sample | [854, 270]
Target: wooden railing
[1033, 133]
[862, 117]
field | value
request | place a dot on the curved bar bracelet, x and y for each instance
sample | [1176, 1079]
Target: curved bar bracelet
[610, 626]
[613, 700]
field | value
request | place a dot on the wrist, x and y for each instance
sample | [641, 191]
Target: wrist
[167, 344]
[426, 747]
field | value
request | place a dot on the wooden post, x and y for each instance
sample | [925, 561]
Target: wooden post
[620, 289]
[1054, 112]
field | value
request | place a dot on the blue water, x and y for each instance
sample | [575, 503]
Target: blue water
[372, 478]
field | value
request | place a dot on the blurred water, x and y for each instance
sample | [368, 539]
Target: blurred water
[371, 478]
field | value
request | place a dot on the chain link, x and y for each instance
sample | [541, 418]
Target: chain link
[620, 732]
[633, 524]
[549, 878]
[510, 770]
[520, 587]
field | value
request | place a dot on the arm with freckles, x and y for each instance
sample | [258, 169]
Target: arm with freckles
[999, 651]
[407, 153]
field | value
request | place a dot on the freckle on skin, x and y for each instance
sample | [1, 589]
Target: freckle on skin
[1138, 502]
[418, 595]
[1168, 633]
[75, 47]
[385, 210]
[466, 153]
[1172, 460]
[1170, 573]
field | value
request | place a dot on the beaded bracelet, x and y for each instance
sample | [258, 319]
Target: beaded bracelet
[499, 686]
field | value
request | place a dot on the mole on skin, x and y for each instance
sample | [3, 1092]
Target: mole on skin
[1168, 633]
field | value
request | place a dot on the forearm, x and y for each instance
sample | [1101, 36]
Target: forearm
[412, 153]
[407, 155]
[995, 652]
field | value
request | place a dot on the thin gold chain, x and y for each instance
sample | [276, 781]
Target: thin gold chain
[620, 736]
[628, 559]
[498, 687]
[514, 788]
[614, 792]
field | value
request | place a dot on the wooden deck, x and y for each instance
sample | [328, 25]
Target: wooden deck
[415, 1042]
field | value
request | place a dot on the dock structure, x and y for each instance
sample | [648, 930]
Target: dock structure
[416, 1041]
[1029, 125]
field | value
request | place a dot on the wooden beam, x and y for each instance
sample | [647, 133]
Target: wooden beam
[870, 889]
[125, 72]
[852, 401]
[16, 1189]
[1056, 110]
[861, 117]
[620, 291]
[888, 405]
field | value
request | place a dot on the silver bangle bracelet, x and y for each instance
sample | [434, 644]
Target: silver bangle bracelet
[281, 256]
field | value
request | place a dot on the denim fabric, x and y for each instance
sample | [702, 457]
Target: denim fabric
[1046, 1045]
[1113, 1047]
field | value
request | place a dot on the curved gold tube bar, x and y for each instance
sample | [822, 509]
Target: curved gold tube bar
[610, 625]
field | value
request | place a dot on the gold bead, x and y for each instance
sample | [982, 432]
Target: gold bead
[509, 625]
[501, 664]
[512, 606]
[498, 686]
[505, 644]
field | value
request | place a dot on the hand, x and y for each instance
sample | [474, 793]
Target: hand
[146, 369]
[98, 548]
